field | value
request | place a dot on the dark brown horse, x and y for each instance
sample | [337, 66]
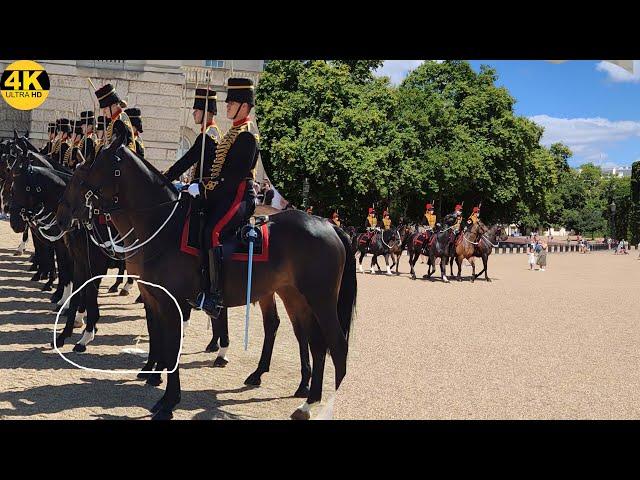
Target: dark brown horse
[318, 290]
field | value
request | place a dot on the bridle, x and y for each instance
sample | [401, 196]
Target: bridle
[111, 246]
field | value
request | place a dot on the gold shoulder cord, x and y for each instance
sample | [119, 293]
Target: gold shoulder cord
[67, 155]
[55, 148]
[125, 119]
[221, 153]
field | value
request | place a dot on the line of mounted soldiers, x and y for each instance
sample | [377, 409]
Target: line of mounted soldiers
[73, 141]
[372, 223]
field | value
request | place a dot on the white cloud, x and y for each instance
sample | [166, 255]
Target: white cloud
[397, 70]
[619, 74]
[587, 137]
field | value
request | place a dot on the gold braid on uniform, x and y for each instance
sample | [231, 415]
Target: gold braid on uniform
[55, 148]
[221, 153]
[125, 119]
[67, 155]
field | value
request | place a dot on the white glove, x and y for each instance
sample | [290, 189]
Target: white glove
[194, 190]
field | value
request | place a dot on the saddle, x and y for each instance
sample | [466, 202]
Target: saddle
[235, 244]
[367, 237]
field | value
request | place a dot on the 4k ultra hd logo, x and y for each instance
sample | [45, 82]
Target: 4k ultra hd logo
[24, 85]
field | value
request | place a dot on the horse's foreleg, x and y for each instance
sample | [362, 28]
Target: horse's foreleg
[222, 326]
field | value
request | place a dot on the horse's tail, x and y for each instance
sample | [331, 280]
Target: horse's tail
[348, 286]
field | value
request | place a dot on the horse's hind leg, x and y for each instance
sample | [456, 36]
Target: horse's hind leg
[298, 311]
[318, 352]
[271, 321]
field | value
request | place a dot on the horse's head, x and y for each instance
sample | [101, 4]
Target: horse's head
[27, 195]
[92, 189]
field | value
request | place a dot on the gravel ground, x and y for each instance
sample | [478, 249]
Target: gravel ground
[556, 344]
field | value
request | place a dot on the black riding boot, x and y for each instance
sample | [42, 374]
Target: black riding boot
[211, 302]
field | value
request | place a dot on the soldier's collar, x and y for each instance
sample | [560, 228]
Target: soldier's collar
[246, 119]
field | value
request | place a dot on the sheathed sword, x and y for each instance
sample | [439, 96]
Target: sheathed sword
[252, 236]
[204, 122]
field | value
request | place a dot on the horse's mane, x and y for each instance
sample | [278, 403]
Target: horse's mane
[153, 173]
[49, 174]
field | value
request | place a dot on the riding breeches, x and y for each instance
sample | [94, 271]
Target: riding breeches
[226, 216]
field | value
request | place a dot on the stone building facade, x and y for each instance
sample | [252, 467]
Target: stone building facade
[162, 89]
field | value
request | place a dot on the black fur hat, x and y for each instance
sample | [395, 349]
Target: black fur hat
[240, 90]
[200, 99]
[134, 115]
[108, 96]
[64, 125]
[87, 118]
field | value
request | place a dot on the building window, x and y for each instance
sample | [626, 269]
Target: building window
[214, 63]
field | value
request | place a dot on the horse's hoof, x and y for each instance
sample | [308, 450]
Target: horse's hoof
[35, 278]
[154, 379]
[79, 348]
[488, 279]
[212, 347]
[33, 268]
[220, 362]
[124, 293]
[59, 342]
[413, 277]
[139, 299]
[300, 415]
[254, 380]
[113, 289]
[302, 392]
[425, 277]
[55, 298]
[46, 288]
[163, 414]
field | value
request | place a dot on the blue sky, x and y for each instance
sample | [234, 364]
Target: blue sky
[592, 106]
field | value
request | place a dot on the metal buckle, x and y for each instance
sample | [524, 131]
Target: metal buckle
[116, 173]
[88, 195]
[107, 217]
[38, 189]
[96, 211]
[28, 189]
[115, 199]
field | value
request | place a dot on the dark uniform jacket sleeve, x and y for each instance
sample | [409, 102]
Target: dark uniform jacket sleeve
[88, 149]
[192, 157]
[240, 160]
[139, 148]
[45, 150]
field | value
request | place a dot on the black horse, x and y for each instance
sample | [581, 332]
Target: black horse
[319, 290]
[376, 242]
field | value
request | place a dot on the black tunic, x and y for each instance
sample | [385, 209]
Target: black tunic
[193, 156]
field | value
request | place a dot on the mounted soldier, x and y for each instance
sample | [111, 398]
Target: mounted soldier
[430, 217]
[101, 128]
[61, 146]
[51, 129]
[386, 220]
[70, 159]
[371, 222]
[88, 144]
[112, 108]
[475, 216]
[136, 122]
[229, 196]
[203, 99]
